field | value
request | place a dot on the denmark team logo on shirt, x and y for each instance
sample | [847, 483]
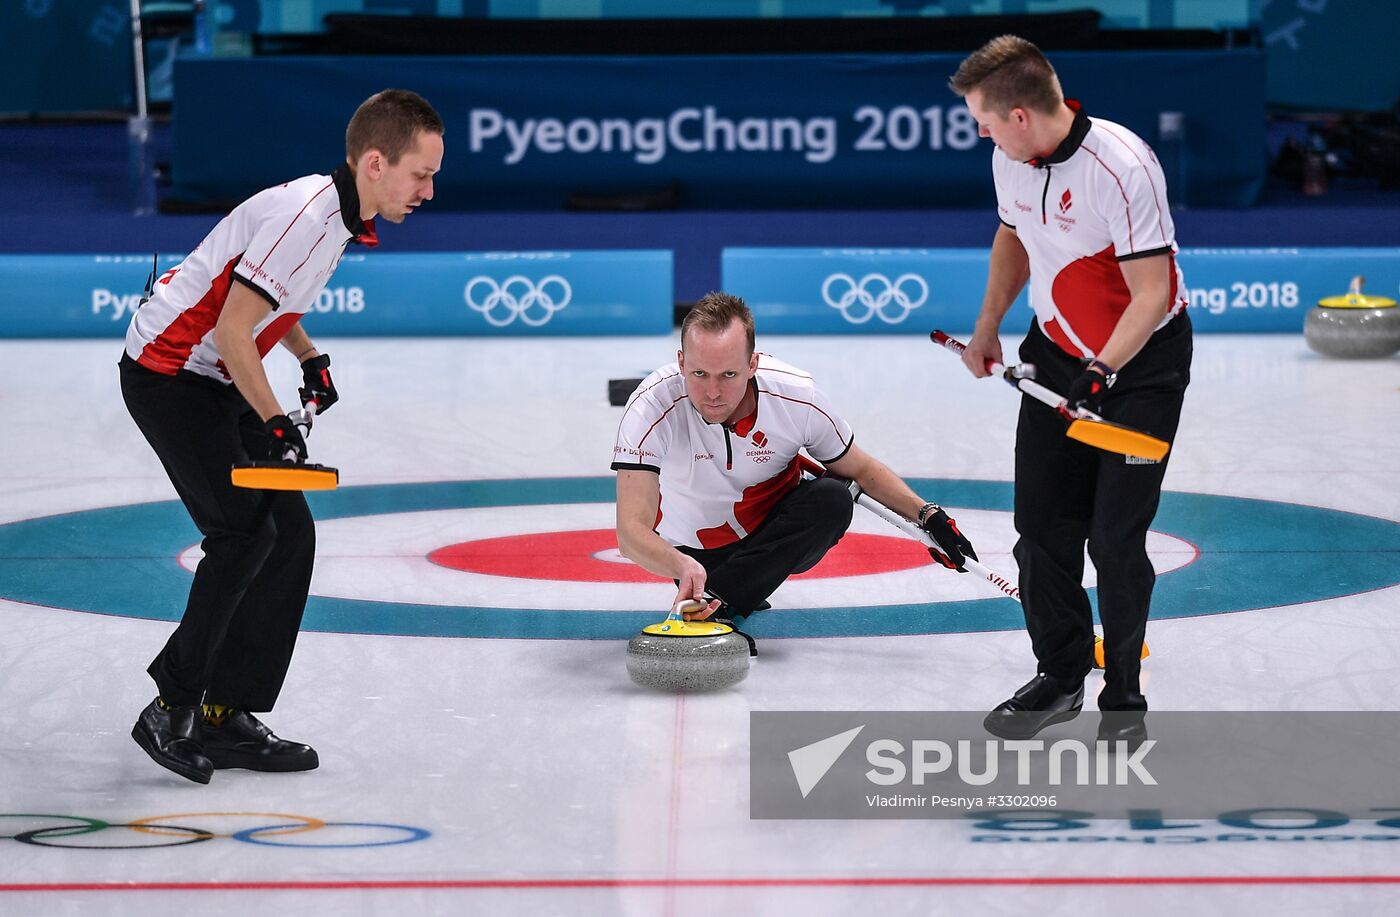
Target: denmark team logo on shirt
[759, 454]
[1065, 222]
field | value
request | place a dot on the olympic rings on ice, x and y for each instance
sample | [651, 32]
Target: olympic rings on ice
[159, 831]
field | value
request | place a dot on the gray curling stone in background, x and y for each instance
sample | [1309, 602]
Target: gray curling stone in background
[693, 656]
[619, 390]
[1357, 325]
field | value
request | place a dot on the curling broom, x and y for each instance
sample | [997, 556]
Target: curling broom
[1084, 426]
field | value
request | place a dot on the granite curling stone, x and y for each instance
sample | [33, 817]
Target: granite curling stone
[1357, 325]
[688, 656]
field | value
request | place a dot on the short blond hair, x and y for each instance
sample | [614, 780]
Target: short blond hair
[715, 312]
[1010, 72]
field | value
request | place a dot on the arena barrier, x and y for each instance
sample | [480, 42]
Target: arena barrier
[792, 291]
[898, 291]
[487, 293]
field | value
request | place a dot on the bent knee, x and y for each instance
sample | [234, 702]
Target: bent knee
[833, 499]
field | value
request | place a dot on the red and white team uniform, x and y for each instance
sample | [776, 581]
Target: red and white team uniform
[719, 481]
[1099, 199]
[283, 243]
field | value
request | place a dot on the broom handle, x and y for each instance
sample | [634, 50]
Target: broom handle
[858, 495]
[1034, 389]
[302, 421]
[1006, 587]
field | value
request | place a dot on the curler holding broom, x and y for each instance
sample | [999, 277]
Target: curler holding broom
[192, 378]
[1084, 220]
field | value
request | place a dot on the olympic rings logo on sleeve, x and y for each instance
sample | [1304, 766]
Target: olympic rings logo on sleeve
[533, 302]
[78, 832]
[874, 294]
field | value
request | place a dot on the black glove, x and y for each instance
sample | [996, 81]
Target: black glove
[1086, 392]
[943, 529]
[282, 435]
[316, 373]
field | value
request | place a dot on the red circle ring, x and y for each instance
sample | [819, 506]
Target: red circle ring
[576, 556]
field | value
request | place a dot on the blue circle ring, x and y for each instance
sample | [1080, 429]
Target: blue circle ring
[1253, 554]
[411, 834]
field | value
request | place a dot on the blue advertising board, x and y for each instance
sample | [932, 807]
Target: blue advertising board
[737, 131]
[1271, 289]
[487, 293]
[792, 290]
[857, 290]
[899, 291]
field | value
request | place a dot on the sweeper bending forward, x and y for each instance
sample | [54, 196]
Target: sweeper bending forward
[193, 380]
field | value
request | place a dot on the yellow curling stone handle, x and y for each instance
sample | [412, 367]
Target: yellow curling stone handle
[677, 626]
[669, 628]
[1355, 299]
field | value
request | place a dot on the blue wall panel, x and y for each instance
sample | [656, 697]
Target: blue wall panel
[739, 132]
[491, 293]
[913, 291]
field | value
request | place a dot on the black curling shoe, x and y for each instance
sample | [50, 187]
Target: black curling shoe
[171, 738]
[1126, 726]
[243, 741]
[722, 617]
[1038, 703]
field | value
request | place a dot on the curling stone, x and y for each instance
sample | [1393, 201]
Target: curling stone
[684, 656]
[1357, 325]
[619, 390]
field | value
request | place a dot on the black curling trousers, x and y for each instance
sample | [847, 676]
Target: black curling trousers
[235, 639]
[805, 524]
[1068, 494]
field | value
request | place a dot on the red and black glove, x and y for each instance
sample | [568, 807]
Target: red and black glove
[316, 374]
[282, 437]
[943, 529]
[1086, 392]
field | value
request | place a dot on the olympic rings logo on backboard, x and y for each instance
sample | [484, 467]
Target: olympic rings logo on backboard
[533, 302]
[874, 294]
[268, 829]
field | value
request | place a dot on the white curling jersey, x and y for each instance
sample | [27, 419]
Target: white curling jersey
[1099, 199]
[719, 481]
[283, 243]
